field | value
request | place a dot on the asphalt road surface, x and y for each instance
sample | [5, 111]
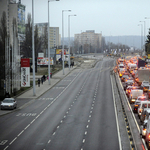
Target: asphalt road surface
[76, 114]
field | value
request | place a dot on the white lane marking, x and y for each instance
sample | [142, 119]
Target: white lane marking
[41, 112]
[27, 126]
[6, 147]
[85, 133]
[49, 141]
[3, 142]
[83, 141]
[54, 133]
[116, 115]
[12, 140]
[87, 126]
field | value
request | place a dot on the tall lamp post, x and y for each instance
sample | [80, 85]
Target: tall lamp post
[33, 55]
[148, 23]
[141, 35]
[63, 38]
[144, 30]
[49, 44]
[69, 37]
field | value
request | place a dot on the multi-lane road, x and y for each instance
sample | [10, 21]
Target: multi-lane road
[76, 114]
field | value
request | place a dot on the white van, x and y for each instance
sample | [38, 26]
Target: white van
[134, 94]
[142, 105]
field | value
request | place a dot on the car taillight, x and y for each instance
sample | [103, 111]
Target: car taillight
[136, 105]
[149, 137]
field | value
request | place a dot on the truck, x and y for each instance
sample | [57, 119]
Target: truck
[143, 74]
[141, 63]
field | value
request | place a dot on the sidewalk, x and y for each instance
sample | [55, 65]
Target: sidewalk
[27, 97]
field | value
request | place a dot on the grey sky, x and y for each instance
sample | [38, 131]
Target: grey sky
[112, 17]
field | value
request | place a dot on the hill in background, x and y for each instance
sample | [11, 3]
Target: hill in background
[130, 40]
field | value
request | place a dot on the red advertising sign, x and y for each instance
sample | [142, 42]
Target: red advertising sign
[25, 62]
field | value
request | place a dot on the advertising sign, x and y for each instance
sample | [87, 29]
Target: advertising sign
[25, 72]
[44, 61]
[21, 19]
[59, 54]
[25, 77]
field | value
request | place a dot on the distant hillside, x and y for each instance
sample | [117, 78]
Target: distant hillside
[130, 40]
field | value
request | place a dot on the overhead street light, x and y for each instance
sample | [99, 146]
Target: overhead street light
[148, 22]
[144, 30]
[49, 43]
[69, 37]
[141, 35]
[63, 38]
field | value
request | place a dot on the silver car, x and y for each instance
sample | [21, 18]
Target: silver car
[8, 103]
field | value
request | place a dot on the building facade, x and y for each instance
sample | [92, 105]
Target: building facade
[54, 36]
[15, 12]
[88, 42]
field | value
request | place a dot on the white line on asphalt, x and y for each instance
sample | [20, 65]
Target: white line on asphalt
[27, 126]
[20, 132]
[6, 147]
[120, 146]
[12, 140]
[83, 141]
[85, 133]
[49, 141]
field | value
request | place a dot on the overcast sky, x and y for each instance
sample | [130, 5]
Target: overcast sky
[111, 17]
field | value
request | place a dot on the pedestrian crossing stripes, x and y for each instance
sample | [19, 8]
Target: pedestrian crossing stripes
[58, 87]
[67, 80]
[45, 99]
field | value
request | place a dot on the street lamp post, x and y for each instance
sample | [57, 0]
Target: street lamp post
[148, 22]
[144, 30]
[63, 38]
[141, 35]
[49, 44]
[33, 57]
[69, 37]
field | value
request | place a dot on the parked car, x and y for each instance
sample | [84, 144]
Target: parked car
[8, 103]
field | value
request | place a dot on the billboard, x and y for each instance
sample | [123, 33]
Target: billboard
[59, 54]
[21, 19]
[44, 61]
[25, 72]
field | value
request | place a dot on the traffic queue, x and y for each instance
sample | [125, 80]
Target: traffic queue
[134, 75]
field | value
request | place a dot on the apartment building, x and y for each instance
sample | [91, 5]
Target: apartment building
[15, 22]
[88, 41]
